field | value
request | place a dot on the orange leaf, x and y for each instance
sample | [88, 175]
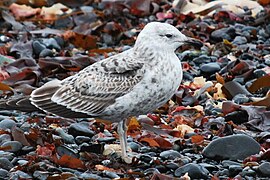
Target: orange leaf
[220, 79]
[4, 87]
[163, 143]
[197, 139]
[81, 40]
[70, 162]
[45, 150]
[4, 148]
[150, 141]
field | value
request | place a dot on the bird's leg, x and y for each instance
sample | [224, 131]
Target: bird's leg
[122, 132]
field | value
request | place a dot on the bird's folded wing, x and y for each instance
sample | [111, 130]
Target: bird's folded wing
[90, 91]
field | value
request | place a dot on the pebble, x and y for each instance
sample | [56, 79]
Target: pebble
[259, 73]
[227, 163]
[86, 175]
[38, 47]
[82, 139]
[80, 129]
[5, 164]
[240, 99]
[69, 139]
[238, 117]
[46, 52]
[204, 59]
[64, 150]
[146, 158]
[13, 146]
[223, 33]
[20, 175]
[51, 43]
[4, 138]
[234, 170]
[264, 169]
[195, 171]
[3, 173]
[232, 147]
[7, 124]
[170, 154]
[135, 147]
[238, 40]
[210, 67]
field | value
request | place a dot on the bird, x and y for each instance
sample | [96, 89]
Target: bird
[131, 83]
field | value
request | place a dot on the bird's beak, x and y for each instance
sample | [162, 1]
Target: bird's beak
[194, 42]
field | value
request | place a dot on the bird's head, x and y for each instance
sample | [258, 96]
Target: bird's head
[164, 36]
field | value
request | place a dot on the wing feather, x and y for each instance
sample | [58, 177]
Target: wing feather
[92, 90]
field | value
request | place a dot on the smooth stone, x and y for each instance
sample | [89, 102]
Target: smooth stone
[69, 139]
[20, 175]
[135, 147]
[238, 117]
[22, 162]
[240, 99]
[227, 163]
[46, 52]
[234, 170]
[4, 138]
[233, 147]
[264, 169]
[94, 148]
[111, 175]
[15, 146]
[86, 175]
[247, 171]
[224, 33]
[195, 171]
[38, 47]
[210, 67]
[172, 165]
[259, 73]
[7, 124]
[239, 40]
[106, 139]
[146, 158]
[5, 164]
[204, 59]
[170, 154]
[80, 129]
[51, 43]
[82, 139]
[64, 150]
[6, 154]
[3, 173]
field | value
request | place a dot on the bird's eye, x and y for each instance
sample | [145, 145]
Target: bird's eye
[168, 35]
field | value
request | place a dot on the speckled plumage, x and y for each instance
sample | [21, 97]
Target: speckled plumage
[131, 83]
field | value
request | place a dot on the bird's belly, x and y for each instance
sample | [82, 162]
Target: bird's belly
[149, 94]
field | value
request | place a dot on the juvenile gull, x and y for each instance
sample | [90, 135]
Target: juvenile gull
[134, 82]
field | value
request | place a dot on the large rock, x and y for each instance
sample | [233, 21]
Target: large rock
[231, 147]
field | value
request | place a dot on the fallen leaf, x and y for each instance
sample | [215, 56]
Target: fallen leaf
[151, 142]
[71, 162]
[81, 41]
[197, 139]
[184, 129]
[23, 11]
[259, 83]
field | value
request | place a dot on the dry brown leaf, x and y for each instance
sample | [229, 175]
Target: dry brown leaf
[261, 82]
[152, 142]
